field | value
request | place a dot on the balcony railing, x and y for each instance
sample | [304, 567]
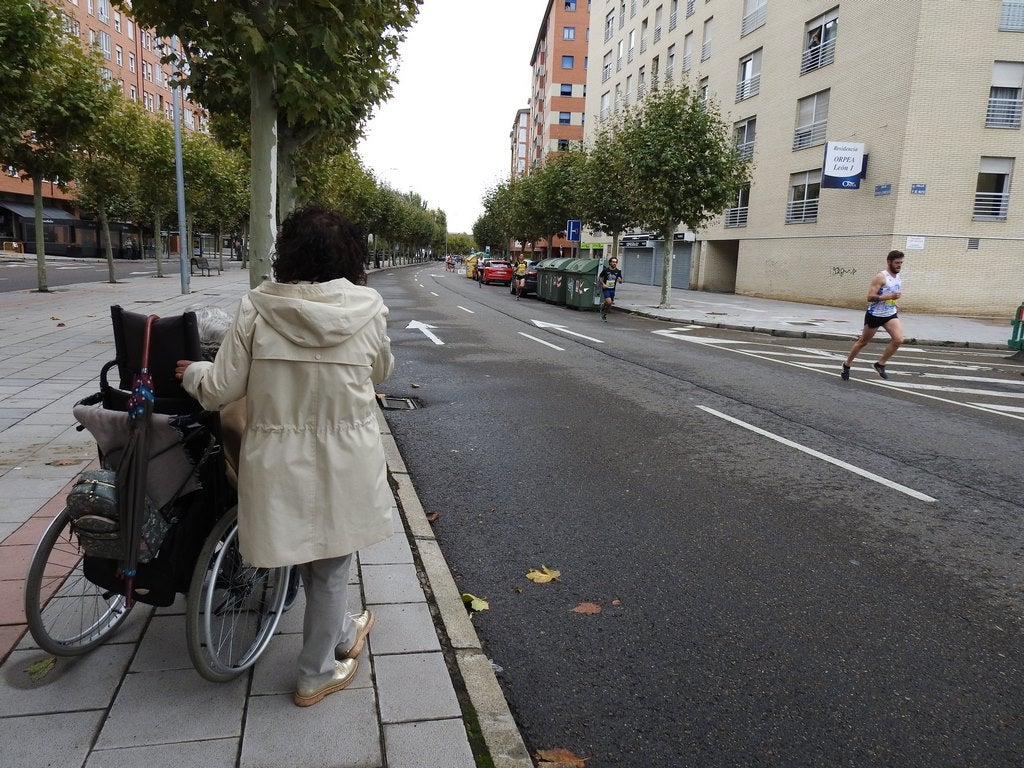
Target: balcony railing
[668, 74]
[641, 90]
[1003, 113]
[690, 7]
[1012, 17]
[605, 112]
[749, 87]
[643, 43]
[745, 149]
[657, 34]
[629, 56]
[618, 64]
[608, 32]
[801, 211]
[705, 51]
[632, 9]
[687, 62]
[809, 135]
[818, 56]
[991, 206]
[754, 20]
[606, 73]
[736, 217]
[673, 20]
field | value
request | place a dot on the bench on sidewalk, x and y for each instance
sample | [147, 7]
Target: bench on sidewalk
[203, 265]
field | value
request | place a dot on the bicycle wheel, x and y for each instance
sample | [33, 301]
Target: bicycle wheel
[67, 614]
[233, 607]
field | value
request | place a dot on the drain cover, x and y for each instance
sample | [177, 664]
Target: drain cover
[389, 403]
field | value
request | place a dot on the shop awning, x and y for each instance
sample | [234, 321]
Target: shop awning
[29, 212]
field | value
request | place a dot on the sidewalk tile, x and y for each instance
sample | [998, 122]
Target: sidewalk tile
[415, 686]
[57, 740]
[393, 550]
[276, 670]
[403, 628]
[213, 753]
[172, 706]
[437, 743]
[82, 682]
[391, 584]
[340, 732]
[163, 647]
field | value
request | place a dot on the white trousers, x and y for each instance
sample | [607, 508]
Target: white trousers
[326, 624]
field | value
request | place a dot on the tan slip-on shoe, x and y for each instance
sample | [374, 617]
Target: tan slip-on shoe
[364, 623]
[344, 673]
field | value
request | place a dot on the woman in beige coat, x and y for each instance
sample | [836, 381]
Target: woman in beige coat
[306, 352]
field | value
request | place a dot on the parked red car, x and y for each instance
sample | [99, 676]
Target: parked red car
[497, 271]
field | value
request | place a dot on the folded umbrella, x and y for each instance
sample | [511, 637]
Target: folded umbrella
[132, 469]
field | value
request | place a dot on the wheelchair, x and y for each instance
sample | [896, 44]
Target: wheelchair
[75, 601]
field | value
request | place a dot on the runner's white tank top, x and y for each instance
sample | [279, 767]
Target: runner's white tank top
[886, 307]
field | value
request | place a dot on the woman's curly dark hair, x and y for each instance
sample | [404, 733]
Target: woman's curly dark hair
[317, 244]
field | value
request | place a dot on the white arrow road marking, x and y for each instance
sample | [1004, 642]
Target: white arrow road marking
[563, 329]
[433, 294]
[417, 325]
[824, 457]
[541, 341]
[673, 333]
[466, 310]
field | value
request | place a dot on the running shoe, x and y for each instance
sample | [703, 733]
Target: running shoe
[845, 375]
[881, 370]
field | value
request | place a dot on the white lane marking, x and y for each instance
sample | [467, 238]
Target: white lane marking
[81, 267]
[824, 457]
[902, 373]
[1001, 408]
[417, 325]
[541, 341]
[466, 310]
[563, 329]
[957, 390]
[672, 333]
[433, 294]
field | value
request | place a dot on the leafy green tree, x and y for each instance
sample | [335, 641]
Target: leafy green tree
[685, 167]
[107, 181]
[461, 243]
[486, 232]
[61, 104]
[157, 196]
[302, 69]
[28, 29]
[607, 200]
[554, 193]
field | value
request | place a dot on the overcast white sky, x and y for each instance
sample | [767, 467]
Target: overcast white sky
[464, 71]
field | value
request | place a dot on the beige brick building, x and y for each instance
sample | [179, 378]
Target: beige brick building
[931, 90]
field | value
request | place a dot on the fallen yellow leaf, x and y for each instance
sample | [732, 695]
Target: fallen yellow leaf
[558, 758]
[475, 603]
[543, 576]
[40, 669]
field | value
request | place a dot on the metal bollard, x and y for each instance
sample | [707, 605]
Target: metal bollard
[1017, 339]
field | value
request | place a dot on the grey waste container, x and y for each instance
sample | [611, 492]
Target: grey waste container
[581, 290]
[551, 280]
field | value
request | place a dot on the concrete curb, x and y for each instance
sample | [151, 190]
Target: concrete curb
[794, 334]
[497, 726]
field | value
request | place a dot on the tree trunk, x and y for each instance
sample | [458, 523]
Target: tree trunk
[615, 247]
[244, 255]
[109, 249]
[37, 199]
[158, 245]
[286, 182]
[666, 270]
[263, 205]
[220, 247]
[550, 246]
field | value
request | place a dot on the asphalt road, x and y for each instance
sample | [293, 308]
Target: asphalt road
[21, 275]
[761, 604]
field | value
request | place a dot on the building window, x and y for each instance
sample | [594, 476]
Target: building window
[131, 62]
[1004, 98]
[755, 13]
[90, 8]
[690, 8]
[564, 118]
[1012, 17]
[119, 55]
[628, 99]
[992, 196]
[820, 42]
[670, 62]
[568, 33]
[563, 145]
[804, 189]
[632, 45]
[709, 31]
[103, 40]
[746, 133]
[619, 51]
[103, 11]
[570, 5]
[687, 51]
[606, 67]
[811, 120]
[132, 93]
[641, 83]
[736, 215]
[129, 26]
[702, 93]
[565, 89]
[606, 104]
[568, 62]
[657, 24]
[673, 15]
[748, 81]
[609, 25]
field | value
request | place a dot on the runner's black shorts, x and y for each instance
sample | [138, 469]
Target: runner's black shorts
[874, 321]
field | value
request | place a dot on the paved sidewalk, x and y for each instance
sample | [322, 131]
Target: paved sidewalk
[136, 700]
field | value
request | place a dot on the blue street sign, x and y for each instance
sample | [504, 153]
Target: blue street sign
[918, 189]
[572, 230]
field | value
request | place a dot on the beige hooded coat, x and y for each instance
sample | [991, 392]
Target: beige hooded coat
[312, 480]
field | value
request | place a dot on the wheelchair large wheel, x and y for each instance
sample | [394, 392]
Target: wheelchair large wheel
[233, 607]
[67, 614]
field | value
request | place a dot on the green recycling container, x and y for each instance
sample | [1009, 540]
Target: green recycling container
[581, 289]
[551, 280]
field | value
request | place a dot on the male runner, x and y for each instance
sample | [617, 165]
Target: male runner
[883, 292]
[610, 277]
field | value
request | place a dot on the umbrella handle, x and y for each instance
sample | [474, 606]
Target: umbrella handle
[145, 341]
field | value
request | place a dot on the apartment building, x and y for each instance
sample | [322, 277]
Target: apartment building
[519, 139]
[131, 62]
[872, 126]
